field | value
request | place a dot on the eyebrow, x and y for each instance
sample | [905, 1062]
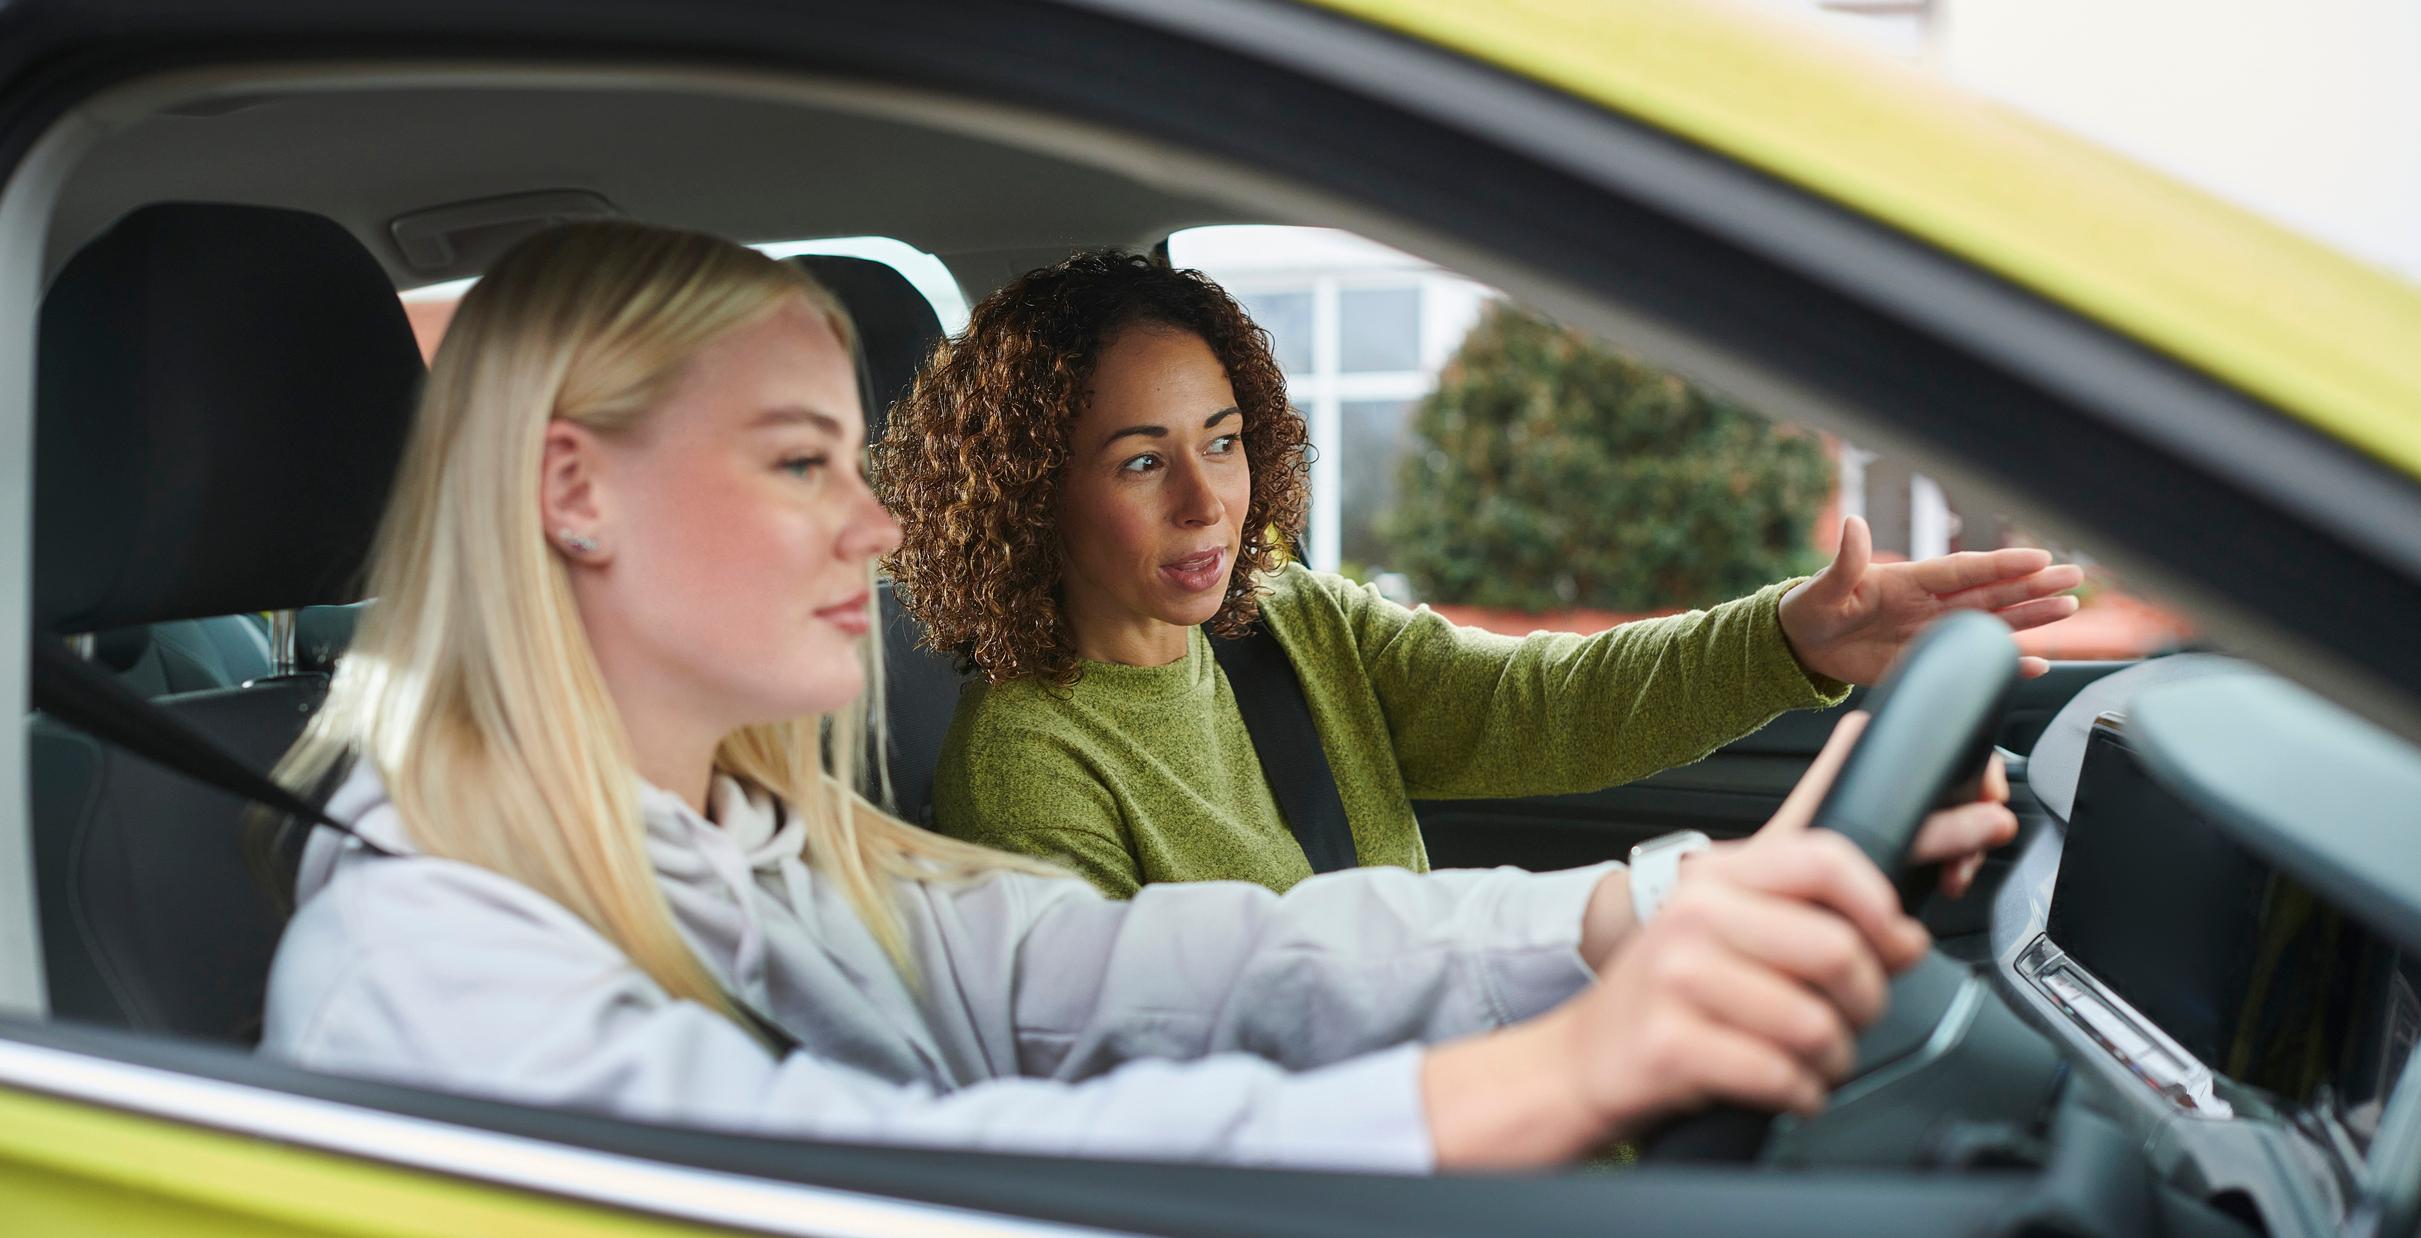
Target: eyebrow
[796, 414]
[1162, 432]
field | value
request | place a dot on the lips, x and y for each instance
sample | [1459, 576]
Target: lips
[851, 616]
[1198, 571]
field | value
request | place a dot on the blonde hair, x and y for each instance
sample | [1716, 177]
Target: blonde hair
[471, 688]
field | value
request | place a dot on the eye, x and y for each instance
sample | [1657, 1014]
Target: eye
[1144, 463]
[805, 466]
[1226, 443]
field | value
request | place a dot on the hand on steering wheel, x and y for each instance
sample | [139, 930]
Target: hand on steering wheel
[1752, 980]
[1956, 838]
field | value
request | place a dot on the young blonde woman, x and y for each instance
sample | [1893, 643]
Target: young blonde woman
[1097, 476]
[600, 855]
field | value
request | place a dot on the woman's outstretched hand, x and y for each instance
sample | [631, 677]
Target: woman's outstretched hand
[1749, 986]
[1850, 620]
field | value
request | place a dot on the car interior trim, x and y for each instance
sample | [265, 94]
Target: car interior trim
[26, 197]
[1956, 1019]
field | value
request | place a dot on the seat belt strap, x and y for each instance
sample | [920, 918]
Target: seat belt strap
[70, 689]
[1278, 717]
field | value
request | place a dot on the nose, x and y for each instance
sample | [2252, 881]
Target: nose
[1196, 500]
[871, 531]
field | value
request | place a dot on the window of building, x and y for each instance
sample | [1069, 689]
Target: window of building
[1378, 330]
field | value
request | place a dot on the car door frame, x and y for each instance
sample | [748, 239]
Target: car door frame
[1774, 294]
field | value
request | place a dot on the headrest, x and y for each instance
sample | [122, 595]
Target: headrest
[222, 395]
[896, 325]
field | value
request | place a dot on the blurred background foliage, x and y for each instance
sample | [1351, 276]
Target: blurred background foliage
[1548, 471]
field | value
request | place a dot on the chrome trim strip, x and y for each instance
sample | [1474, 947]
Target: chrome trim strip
[579, 1174]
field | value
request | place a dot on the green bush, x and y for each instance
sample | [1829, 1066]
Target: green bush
[1549, 471]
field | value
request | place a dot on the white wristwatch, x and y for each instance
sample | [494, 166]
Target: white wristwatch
[1656, 864]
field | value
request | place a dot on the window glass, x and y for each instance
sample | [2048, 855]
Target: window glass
[1287, 318]
[1373, 435]
[921, 269]
[1378, 329]
[1516, 475]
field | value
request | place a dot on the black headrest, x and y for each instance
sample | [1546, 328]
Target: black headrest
[896, 325]
[222, 398]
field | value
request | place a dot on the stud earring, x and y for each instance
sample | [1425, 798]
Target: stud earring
[577, 543]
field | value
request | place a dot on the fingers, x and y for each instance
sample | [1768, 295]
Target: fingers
[1799, 807]
[1953, 834]
[1840, 577]
[2000, 593]
[1825, 869]
[1823, 953]
[1712, 1062]
[1971, 568]
[2030, 667]
[1959, 876]
[1996, 779]
[2038, 612]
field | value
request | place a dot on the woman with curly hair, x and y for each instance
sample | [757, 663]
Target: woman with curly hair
[1100, 475]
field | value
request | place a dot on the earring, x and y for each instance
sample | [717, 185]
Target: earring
[577, 543]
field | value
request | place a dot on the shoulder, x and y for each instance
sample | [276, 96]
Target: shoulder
[376, 908]
[391, 943]
[1005, 725]
[1295, 596]
[1013, 754]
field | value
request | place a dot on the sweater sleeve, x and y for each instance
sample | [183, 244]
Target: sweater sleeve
[501, 993]
[1473, 713]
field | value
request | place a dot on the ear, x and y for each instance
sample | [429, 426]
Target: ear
[572, 491]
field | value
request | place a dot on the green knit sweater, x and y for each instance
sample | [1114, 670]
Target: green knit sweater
[1146, 773]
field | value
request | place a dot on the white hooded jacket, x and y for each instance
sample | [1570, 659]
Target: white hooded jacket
[1213, 1021]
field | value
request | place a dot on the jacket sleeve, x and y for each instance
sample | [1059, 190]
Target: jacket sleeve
[472, 984]
[1343, 964]
[1473, 713]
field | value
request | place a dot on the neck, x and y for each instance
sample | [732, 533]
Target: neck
[1127, 640]
[680, 760]
[672, 743]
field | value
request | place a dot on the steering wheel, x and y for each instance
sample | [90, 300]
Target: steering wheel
[1934, 717]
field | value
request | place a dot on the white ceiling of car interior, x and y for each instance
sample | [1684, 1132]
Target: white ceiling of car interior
[753, 169]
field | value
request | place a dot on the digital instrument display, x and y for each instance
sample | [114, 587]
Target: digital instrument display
[2241, 966]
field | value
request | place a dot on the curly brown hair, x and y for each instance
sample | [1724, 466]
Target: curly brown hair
[972, 457]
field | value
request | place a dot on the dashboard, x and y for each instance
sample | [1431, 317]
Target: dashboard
[2202, 935]
[2199, 966]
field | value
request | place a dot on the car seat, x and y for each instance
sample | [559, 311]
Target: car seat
[897, 329]
[222, 396]
[186, 655]
[896, 326]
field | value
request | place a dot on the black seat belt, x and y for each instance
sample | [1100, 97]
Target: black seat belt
[71, 690]
[1277, 715]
